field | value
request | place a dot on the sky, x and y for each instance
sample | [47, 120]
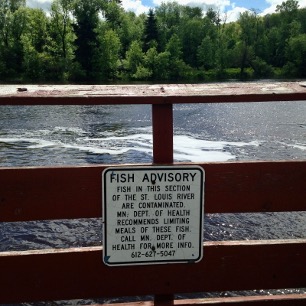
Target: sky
[232, 8]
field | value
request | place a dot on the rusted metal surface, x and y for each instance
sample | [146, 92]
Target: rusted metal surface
[80, 273]
[76, 192]
[151, 94]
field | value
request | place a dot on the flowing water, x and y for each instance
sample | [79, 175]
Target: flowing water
[74, 135]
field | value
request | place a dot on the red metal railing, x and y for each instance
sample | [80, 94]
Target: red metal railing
[46, 193]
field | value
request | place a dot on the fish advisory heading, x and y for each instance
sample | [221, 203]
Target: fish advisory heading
[152, 215]
[153, 177]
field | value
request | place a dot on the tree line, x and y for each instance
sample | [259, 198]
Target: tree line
[97, 41]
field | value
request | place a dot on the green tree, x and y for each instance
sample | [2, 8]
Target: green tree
[113, 14]
[36, 61]
[193, 32]
[296, 53]
[61, 26]
[37, 26]
[302, 19]
[168, 16]
[157, 64]
[178, 68]
[231, 45]
[288, 9]
[109, 50]
[12, 24]
[248, 35]
[61, 41]
[86, 15]
[131, 29]
[134, 59]
[206, 53]
[287, 15]
[191, 12]
[150, 31]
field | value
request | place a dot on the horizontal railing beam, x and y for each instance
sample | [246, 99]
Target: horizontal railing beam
[260, 300]
[76, 192]
[265, 300]
[151, 94]
[80, 273]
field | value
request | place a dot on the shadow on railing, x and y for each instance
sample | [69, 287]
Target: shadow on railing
[46, 193]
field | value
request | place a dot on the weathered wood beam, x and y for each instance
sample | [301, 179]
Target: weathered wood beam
[80, 273]
[76, 192]
[151, 94]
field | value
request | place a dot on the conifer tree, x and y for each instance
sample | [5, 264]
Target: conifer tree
[150, 31]
[86, 16]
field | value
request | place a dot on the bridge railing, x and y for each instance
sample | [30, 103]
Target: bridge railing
[46, 193]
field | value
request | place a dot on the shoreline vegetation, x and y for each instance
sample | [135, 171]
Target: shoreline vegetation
[96, 41]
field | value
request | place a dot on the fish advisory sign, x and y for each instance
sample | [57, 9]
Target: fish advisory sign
[152, 215]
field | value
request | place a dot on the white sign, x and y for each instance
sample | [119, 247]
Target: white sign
[152, 215]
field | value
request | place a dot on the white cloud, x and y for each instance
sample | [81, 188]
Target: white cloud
[135, 6]
[234, 14]
[44, 4]
[272, 8]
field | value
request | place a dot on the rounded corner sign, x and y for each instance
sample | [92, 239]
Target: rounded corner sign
[152, 214]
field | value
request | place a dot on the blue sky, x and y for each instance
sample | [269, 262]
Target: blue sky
[232, 8]
[258, 4]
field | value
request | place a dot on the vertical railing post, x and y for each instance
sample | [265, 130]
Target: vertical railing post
[164, 299]
[162, 117]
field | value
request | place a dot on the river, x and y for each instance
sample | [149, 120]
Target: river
[78, 135]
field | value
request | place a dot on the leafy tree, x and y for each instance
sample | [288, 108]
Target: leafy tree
[61, 27]
[192, 36]
[113, 14]
[36, 61]
[168, 16]
[134, 59]
[14, 5]
[248, 36]
[109, 49]
[12, 24]
[191, 12]
[213, 16]
[230, 34]
[287, 13]
[302, 19]
[157, 64]
[61, 41]
[288, 9]
[296, 52]
[206, 53]
[178, 68]
[131, 29]
[37, 25]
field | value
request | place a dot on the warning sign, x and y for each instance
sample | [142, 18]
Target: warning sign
[152, 215]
